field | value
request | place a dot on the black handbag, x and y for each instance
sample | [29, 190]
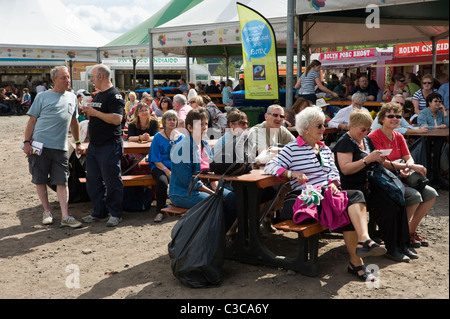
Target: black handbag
[387, 183]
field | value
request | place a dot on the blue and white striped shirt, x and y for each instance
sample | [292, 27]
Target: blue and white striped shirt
[308, 83]
[299, 157]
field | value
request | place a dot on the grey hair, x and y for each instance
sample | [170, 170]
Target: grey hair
[359, 97]
[274, 106]
[168, 115]
[180, 98]
[308, 116]
[104, 69]
[55, 70]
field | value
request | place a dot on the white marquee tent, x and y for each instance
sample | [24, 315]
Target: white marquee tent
[44, 30]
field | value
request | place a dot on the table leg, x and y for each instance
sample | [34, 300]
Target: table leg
[248, 246]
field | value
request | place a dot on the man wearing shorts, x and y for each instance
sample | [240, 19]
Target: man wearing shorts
[103, 172]
[51, 115]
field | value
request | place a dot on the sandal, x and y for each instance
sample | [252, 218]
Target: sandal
[158, 218]
[366, 276]
[373, 250]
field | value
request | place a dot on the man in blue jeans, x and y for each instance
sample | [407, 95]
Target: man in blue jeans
[103, 173]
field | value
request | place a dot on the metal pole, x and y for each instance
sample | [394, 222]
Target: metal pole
[299, 47]
[290, 53]
[433, 50]
[151, 68]
[187, 65]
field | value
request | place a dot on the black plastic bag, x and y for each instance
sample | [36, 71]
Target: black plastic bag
[197, 248]
[77, 190]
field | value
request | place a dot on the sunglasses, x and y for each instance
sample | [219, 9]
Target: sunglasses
[392, 116]
[277, 115]
[436, 101]
[192, 102]
[426, 82]
[365, 129]
[320, 126]
[244, 123]
[402, 80]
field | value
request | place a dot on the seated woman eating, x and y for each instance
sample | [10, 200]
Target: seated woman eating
[308, 160]
[190, 156]
[354, 154]
[418, 203]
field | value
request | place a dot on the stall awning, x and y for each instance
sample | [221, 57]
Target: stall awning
[342, 64]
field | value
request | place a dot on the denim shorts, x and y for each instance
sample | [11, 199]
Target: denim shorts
[51, 166]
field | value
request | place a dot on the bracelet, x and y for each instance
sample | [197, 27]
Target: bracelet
[164, 169]
[139, 139]
[364, 161]
[407, 166]
[26, 141]
[78, 142]
[289, 174]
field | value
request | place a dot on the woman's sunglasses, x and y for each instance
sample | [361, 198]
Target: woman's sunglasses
[392, 116]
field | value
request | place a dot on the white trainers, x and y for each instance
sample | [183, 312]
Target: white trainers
[71, 222]
[113, 221]
[47, 218]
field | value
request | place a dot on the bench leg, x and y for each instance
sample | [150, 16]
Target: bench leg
[306, 260]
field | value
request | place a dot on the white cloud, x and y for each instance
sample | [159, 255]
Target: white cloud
[114, 17]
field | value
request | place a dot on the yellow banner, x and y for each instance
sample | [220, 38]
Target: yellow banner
[259, 55]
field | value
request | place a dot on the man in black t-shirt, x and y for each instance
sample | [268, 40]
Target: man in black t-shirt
[365, 88]
[103, 173]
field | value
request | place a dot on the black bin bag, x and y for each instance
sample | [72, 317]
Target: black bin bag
[197, 248]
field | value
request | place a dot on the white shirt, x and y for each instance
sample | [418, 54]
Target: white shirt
[342, 117]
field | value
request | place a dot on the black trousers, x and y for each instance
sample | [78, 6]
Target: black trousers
[162, 183]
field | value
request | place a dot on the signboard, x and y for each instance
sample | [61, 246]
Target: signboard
[352, 54]
[420, 49]
[259, 55]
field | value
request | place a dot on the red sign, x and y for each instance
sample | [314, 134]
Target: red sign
[361, 53]
[420, 48]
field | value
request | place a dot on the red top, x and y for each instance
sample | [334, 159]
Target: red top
[398, 144]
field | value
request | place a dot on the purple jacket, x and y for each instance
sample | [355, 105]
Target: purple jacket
[334, 210]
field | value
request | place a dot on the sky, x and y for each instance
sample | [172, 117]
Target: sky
[112, 18]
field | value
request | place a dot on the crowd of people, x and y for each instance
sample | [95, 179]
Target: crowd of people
[179, 127]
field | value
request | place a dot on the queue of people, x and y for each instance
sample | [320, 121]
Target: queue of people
[179, 150]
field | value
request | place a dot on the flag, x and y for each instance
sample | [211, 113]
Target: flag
[259, 54]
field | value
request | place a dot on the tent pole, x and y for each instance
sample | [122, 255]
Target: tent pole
[134, 74]
[71, 73]
[187, 65]
[300, 47]
[290, 53]
[433, 50]
[150, 60]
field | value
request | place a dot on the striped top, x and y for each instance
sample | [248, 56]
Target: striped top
[300, 157]
[308, 82]
[419, 97]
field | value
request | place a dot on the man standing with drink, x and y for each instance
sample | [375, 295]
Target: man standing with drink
[51, 114]
[103, 173]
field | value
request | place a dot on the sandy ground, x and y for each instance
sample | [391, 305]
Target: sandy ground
[131, 260]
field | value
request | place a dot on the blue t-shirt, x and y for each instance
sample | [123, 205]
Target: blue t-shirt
[54, 112]
[160, 151]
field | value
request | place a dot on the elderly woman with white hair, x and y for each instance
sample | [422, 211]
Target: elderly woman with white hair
[307, 160]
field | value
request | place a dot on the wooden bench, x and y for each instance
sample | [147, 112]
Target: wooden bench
[133, 180]
[174, 210]
[308, 237]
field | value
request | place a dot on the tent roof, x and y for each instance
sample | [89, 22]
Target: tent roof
[403, 22]
[139, 34]
[44, 23]
[219, 23]
[216, 33]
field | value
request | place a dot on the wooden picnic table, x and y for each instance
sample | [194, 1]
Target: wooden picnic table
[248, 246]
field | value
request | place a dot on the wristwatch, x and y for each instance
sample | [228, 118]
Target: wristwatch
[289, 174]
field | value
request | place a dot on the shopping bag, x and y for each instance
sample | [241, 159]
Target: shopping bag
[387, 183]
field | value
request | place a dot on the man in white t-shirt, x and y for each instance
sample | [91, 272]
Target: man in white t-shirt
[342, 118]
